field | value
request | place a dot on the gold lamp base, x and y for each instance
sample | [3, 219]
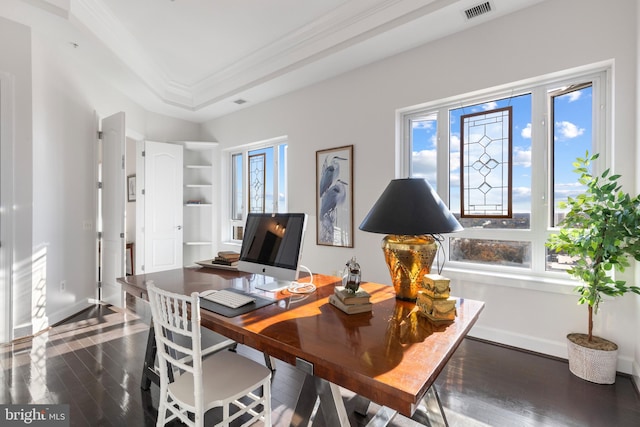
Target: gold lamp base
[409, 258]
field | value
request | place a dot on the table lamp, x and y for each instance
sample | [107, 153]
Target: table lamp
[410, 213]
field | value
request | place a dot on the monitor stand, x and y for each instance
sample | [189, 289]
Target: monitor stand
[274, 286]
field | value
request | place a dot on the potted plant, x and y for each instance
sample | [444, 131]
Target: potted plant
[601, 232]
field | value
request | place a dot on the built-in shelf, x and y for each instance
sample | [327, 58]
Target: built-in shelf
[198, 201]
[199, 145]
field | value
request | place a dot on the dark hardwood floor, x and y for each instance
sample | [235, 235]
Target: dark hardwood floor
[93, 363]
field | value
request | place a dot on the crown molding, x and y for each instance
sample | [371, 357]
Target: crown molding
[340, 28]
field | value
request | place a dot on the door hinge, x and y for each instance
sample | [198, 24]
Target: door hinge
[143, 191]
[123, 161]
[99, 134]
[144, 154]
[142, 267]
[122, 235]
[100, 185]
[99, 234]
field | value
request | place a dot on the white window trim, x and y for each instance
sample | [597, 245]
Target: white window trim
[535, 278]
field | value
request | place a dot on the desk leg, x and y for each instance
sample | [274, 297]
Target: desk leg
[149, 373]
[330, 403]
[433, 412]
[430, 413]
[269, 362]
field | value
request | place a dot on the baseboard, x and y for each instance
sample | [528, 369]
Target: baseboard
[61, 315]
[544, 347]
[23, 330]
[636, 376]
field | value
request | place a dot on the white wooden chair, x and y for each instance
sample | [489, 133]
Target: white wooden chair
[223, 379]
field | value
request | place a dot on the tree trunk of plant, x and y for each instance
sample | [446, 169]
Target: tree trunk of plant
[590, 322]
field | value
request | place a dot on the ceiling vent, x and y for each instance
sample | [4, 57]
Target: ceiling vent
[477, 10]
[239, 101]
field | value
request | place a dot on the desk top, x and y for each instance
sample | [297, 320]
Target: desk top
[391, 355]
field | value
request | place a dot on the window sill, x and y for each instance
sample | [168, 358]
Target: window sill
[511, 280]
[235, 243]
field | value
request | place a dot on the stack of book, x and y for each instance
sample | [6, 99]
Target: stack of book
[434, 301]
[351, 302]
[228, 258]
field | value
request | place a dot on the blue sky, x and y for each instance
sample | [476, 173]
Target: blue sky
[572, 129]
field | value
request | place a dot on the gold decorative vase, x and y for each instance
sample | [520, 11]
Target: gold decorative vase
[409, 258]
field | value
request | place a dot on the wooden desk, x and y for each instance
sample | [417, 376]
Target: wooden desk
[391, 356]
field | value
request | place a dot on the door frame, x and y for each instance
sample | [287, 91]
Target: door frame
[129, 134]
[7, 232]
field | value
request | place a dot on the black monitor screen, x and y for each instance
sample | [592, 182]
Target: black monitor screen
[273, 239]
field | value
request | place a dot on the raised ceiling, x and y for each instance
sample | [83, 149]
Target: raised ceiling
[196, 59]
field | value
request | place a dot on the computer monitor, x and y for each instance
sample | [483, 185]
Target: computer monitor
[272, 246]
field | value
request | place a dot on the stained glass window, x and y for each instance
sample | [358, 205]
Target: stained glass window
[485, 164]
[256, 182]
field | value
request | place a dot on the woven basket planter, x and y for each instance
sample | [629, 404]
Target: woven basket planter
[593, 364]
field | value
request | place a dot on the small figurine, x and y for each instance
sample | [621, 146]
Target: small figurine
[351, 276]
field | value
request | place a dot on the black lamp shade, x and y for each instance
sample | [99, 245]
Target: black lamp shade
[410, 207]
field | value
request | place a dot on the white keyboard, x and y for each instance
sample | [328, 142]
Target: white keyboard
[227, 298]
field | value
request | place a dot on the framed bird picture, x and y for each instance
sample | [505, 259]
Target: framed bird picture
[334, 196]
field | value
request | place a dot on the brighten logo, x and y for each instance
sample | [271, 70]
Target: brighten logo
[34, 415]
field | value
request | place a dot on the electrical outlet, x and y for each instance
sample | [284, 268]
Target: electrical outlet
[63, 285]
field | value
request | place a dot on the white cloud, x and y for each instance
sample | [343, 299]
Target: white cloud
[568, 130]
[454, 142]
[521, 193]
[489, 106]
[454, 163]
[522, 157]
[424, 164]
[526, 132]
[570, 189]
[573, 96]
[422, 124]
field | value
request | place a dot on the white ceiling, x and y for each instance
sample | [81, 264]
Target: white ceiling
[193, 58]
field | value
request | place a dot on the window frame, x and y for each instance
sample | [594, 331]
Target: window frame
[541, 130]
[228, 222]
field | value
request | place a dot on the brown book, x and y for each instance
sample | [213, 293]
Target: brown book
[359, 297]
[350, 308]
[222, 261]
[228, 256]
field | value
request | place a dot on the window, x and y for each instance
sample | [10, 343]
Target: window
[258, 181]
[503, 162]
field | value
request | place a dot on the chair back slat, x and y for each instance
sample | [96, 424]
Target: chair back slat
[174, 316]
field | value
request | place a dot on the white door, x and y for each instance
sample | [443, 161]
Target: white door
[163, 177]
[113, 208]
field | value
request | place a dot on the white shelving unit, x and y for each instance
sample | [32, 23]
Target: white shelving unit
[198, 201]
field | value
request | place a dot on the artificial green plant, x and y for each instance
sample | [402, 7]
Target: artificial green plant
[601, 231]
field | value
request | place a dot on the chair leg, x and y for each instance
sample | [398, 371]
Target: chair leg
[149, 373]
[266, 390]
[162, 407]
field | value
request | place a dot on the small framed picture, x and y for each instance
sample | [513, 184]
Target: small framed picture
[334, 196]
[131, 188]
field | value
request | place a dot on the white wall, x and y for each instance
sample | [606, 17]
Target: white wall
[15, 60]
[55, 158]
[359, 108]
